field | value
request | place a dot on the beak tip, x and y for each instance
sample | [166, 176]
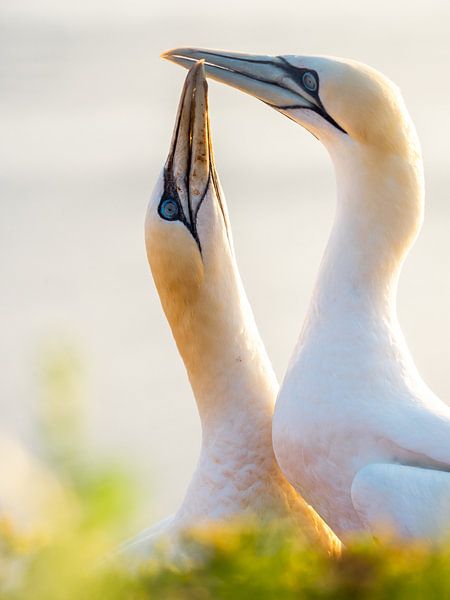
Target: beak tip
[195, 67]
[178, 53]
[169, 54]
[197, 75]
[199, 66]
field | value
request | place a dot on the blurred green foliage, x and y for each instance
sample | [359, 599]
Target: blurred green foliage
[237, 561]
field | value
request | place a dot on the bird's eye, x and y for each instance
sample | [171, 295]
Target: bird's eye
[169, 209]
[309, 81]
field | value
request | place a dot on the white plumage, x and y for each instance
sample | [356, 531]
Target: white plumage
[356, 430]
[190, 251]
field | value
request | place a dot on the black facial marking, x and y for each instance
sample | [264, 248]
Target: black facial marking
[258, 61]
[295, 73]
[171, 192]
[310, 81]
[170, 185]
[169, 209]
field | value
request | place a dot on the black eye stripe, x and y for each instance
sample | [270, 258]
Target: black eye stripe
[171, 194]
[297, 74]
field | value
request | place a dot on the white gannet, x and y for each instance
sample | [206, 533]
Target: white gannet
[190, 252]
[356, 430]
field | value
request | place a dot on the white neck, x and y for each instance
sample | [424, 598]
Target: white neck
[378, 215]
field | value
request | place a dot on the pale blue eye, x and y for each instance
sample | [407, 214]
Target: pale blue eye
[309, 81]
[169, 209]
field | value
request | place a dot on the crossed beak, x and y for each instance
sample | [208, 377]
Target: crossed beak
[187, 169]
[190, 169]
[271, 79]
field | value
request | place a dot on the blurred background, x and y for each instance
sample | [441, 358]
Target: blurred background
[86, 114]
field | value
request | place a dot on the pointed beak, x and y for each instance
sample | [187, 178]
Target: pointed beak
[268, 78]
[271, 79]
[187, 169]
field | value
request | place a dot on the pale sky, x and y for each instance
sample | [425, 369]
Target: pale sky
[87, 110]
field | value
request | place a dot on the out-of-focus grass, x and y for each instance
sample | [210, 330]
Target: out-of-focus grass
[239, 561]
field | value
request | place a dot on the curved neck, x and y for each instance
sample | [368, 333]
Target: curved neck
[378, 215]
[227, 365]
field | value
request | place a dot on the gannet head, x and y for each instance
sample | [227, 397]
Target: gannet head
[360, 117]
[335, 99]
[187, 234]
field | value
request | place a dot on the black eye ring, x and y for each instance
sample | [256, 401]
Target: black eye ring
[169, 209]
[309, 81]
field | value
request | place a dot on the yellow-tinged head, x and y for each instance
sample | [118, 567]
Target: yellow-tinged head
[331, 97]
[360, 117]
[187, 233]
